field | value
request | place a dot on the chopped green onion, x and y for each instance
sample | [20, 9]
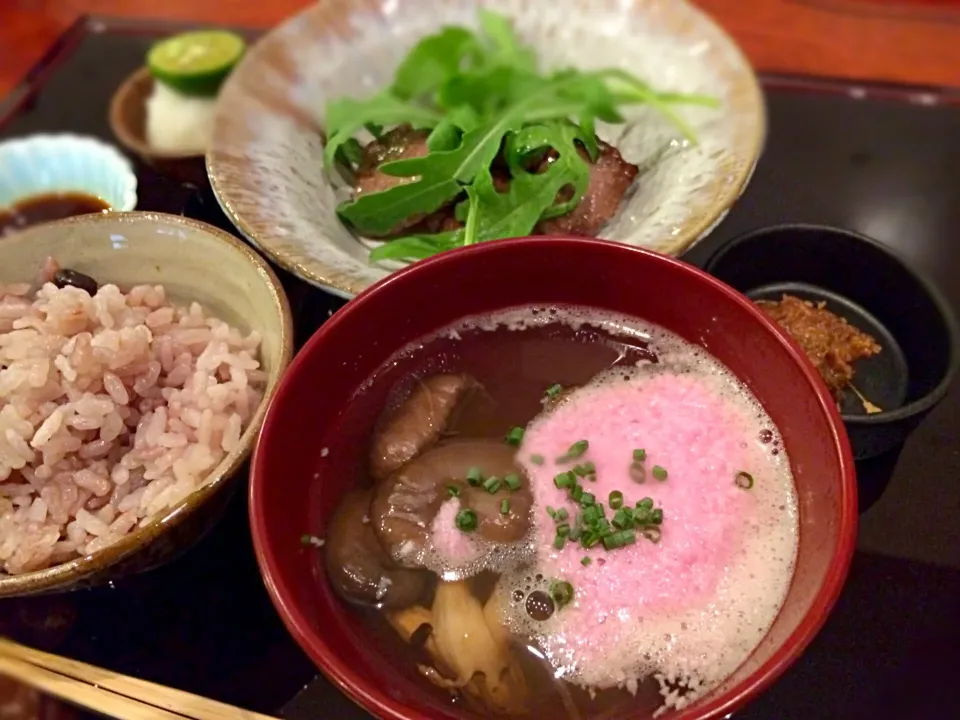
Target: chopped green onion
[656, 517]
[577, 493]
[551, 512]
[554, 390]
[565, 480]
[659, 473]
[453, 491]
[536, 459]
[616, 500]
[585, 561]
[619, 539]
[512, 481]
[466, 520]
[639, 455]
[504, 506]
[491, 484]
[623, 519]
[638, 473]
[562, 514]
[587, 499]
[590, 514]
[646, 503]
[581, 471]
[744, 480]
[559, 541]
[515, 436]
[474, 476]
[574, 451]
[652, 534]
[590, 540]
[562, 592]
[563, 529]
[642, 516]
[574, 533]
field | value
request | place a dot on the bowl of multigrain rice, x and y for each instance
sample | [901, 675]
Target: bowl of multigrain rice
[138, 353]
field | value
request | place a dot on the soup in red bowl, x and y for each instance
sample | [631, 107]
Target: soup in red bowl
[551, 477]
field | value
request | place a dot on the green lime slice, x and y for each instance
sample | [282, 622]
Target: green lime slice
[195, 63]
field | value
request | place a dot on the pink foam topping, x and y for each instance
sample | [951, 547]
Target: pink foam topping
[702, 439]
[453, 546]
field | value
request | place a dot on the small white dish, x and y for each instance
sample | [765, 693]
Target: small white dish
[65, 163]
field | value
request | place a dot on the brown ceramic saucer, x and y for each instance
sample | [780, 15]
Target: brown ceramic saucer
[128, 121]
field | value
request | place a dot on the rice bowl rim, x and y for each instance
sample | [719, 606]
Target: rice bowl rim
[66, 573]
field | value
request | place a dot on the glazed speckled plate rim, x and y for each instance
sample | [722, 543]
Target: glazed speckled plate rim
[726, 191]
[65, 574]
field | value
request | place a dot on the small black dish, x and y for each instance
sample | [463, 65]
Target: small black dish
[874, 290]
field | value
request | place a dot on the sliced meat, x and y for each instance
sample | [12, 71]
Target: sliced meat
[357, 565]
[401, 143]
[610, 178]
[405, 505]
[418, 422]
[443, 220]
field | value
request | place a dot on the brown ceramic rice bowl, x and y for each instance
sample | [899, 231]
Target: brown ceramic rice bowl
[125, 410]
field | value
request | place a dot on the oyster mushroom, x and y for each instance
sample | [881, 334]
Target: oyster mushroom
[417, 422]
[358, 568]
[468, 653]
[405, 504]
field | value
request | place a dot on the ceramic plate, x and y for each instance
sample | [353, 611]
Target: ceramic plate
[265, 162]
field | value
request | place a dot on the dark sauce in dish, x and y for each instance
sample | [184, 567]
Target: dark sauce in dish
[49, 206]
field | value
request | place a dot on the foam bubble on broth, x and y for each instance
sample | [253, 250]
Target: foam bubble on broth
[453, 555]
[687, 647]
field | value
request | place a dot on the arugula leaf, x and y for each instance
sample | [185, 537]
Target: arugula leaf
[488, 91]
[471, 229]
[479, 93]
[532, 196]
[533, 140]
[347, 116]
[446, 135]
[439, 177]
[433, 60]
[588, 134]
[643, 93]
[505, 46]
[352, 152]
[491, 215]
[415, 247]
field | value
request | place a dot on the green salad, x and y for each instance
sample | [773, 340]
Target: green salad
[472, 142]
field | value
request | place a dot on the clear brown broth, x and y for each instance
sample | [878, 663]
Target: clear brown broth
[515, 368]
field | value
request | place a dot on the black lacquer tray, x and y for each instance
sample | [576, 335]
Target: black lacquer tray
[878, 159]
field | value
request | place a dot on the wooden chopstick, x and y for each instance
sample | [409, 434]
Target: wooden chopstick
[111, 693]
[80, 694]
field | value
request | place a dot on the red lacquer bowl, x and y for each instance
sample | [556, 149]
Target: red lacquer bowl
[287, 496]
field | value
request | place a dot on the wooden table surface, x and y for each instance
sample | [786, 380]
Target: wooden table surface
[902, 41]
